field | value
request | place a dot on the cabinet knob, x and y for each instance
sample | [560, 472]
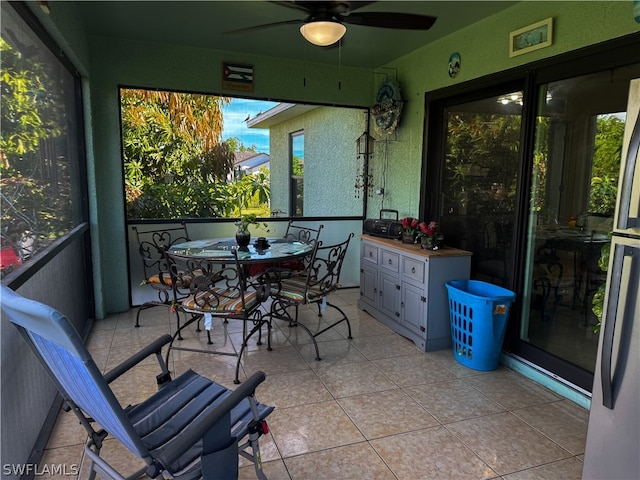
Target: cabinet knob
[371, 254]
[390, 262]
[413, 269]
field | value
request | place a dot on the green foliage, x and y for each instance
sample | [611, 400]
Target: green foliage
[297, 166]
[251, 190]
[209, 166]
[605, 169]
[482, 150]
[159, 140]
[540, 166]
[598, 298]
[249, 219]
[35, 208]
[27, 105]
[236, 145]
[607, 146]
[176, 165]
[602, 196]
[181, 200]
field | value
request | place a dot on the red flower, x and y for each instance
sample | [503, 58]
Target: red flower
[409, 224]
[430, 229]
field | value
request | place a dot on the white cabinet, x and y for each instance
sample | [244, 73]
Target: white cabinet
[403, 287]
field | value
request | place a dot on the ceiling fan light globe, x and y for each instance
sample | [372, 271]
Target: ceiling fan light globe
[323, 33]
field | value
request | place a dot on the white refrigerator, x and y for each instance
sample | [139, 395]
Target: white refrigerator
[613, 439]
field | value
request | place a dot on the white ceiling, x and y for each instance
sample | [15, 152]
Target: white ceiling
[206, 23]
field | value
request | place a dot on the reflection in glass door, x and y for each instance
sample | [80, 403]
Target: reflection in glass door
[580, 123]
[479, 180]
[297, 173]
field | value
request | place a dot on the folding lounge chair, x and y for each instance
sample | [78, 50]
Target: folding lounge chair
[189, 429]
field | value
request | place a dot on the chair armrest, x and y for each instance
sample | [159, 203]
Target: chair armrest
[187, 438]
[154, 347]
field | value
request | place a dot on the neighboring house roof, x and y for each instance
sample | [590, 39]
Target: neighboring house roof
[277, 114]
[250, 161]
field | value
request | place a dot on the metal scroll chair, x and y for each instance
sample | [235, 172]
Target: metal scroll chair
[548, 272]
[189, 428]
[151, 247]
[314, 285]
[218, 289]
[294, 233]
[302, 233]
[299, 233]
[594, 275]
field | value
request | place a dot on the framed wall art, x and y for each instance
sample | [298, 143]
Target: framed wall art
[533, 37]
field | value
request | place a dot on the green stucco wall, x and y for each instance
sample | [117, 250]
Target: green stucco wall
[109, 62]
[484, 49]
[330, 163]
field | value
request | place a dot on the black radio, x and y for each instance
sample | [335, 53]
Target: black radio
[383, 227]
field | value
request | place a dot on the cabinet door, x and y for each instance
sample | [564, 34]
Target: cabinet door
[369, 285]
[413, 309]
[389, 296]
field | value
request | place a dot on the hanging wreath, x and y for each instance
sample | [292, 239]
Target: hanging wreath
[387, 109]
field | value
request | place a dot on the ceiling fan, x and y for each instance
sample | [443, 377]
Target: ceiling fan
[324, 23]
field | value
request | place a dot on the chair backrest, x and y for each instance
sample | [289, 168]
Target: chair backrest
[302, 233]
[212, 287]
[60, 349]
[323, 274]
[152, 245]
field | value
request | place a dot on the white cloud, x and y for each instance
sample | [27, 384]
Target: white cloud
[234, 116]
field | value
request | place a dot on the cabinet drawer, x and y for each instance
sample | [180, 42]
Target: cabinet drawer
[389, 261]
[413, 269]
[370, 253]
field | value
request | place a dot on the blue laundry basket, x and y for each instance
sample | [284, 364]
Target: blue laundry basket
[479, 312]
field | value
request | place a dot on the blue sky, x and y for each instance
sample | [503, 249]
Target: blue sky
[234, 116]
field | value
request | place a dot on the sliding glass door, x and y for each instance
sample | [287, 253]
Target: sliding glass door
[479, 180]
[576, 162]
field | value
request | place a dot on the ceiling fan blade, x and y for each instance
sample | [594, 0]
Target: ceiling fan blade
[331, 7]
[266, 25]
[402, 21]
[300, 6]
[356, 5]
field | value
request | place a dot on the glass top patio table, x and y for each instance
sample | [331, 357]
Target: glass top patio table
[219, 249]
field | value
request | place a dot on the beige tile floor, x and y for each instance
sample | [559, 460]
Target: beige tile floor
[375, 407]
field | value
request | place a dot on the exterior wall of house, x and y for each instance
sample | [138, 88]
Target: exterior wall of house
[484, 50]
[330, 163]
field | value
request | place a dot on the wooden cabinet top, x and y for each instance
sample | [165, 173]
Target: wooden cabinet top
[415, 248]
